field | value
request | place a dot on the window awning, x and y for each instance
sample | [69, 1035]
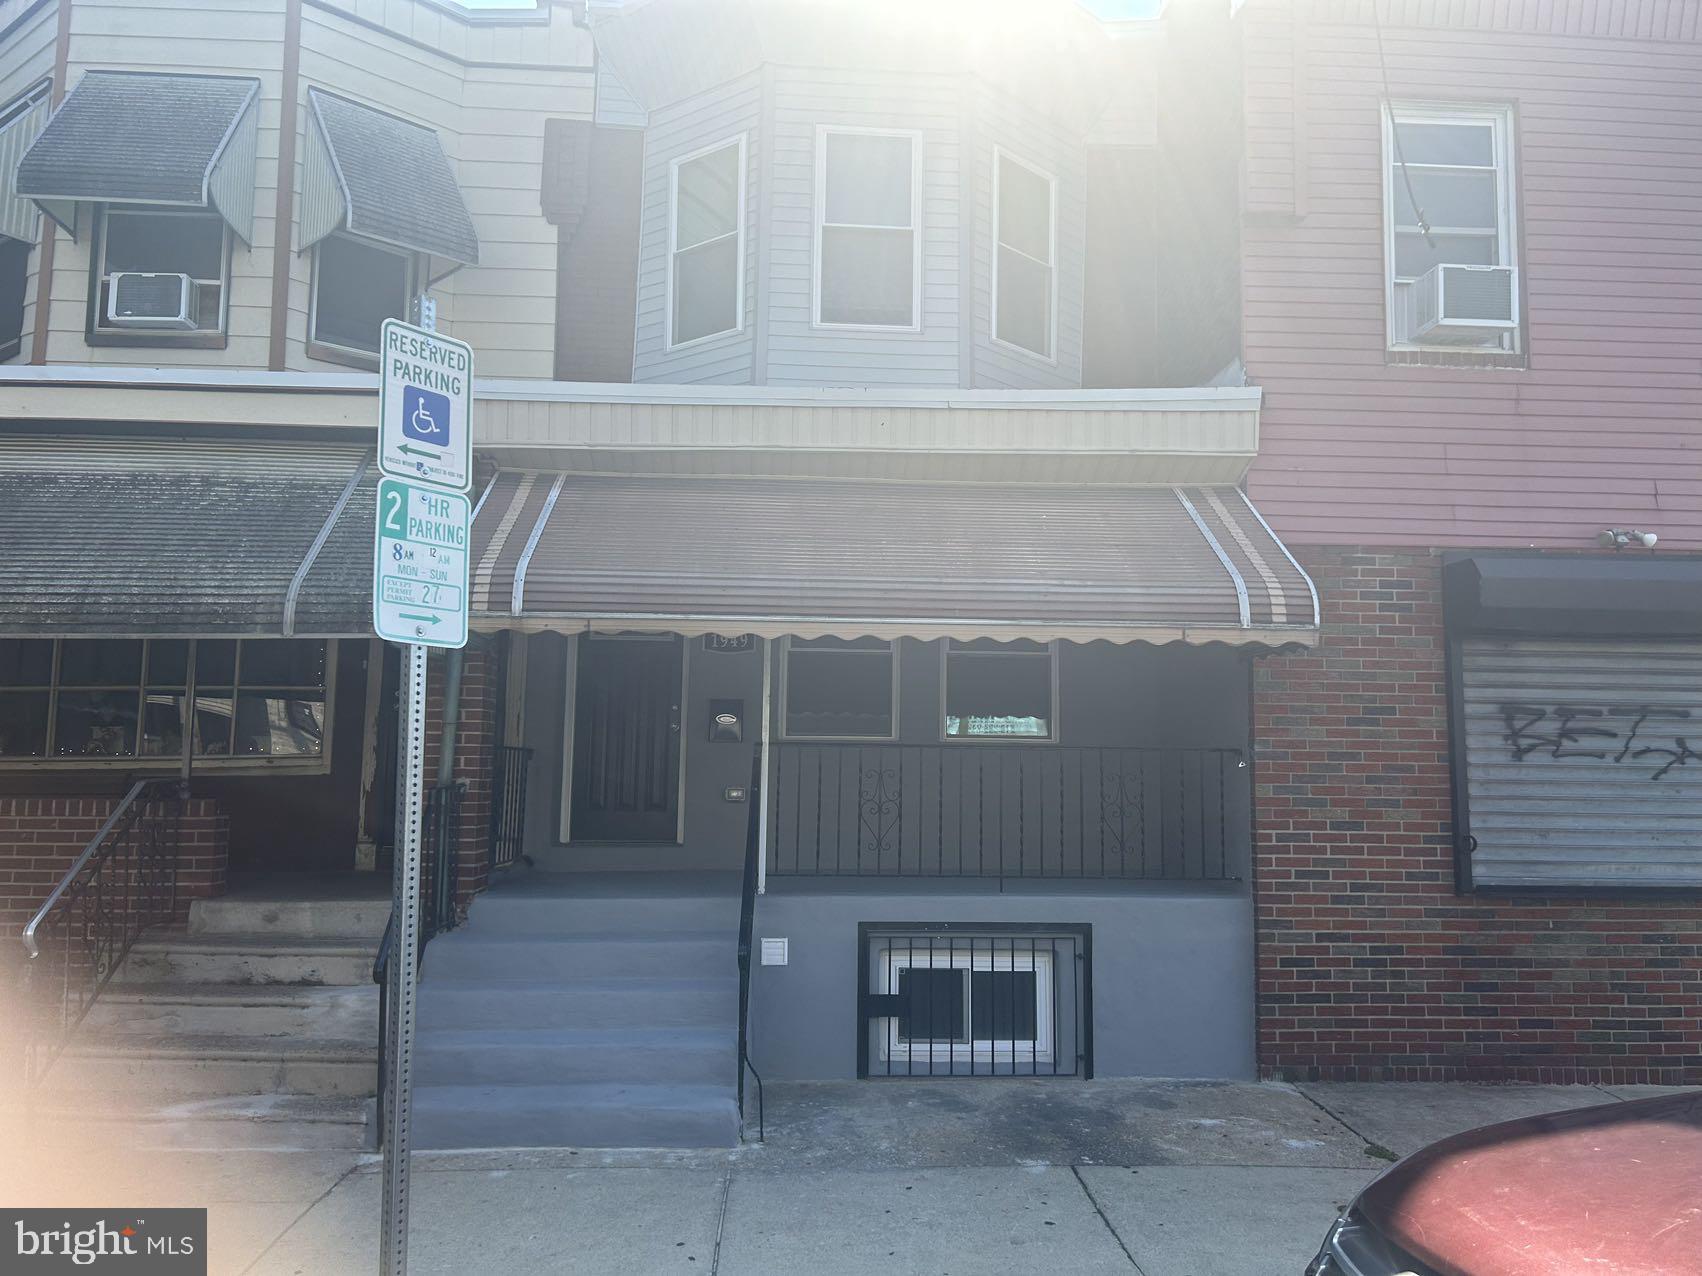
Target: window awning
[182, 141]
[383, 178]
[20, 123]
[925, 560]
[123, 537]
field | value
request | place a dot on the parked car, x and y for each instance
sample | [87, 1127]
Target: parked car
[1614, 1190]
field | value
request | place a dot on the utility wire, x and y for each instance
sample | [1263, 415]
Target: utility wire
[1395, 128]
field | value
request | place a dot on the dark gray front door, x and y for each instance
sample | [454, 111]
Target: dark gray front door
[626, 740]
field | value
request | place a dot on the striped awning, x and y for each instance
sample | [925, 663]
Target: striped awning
[926, 560]
[142, 537]
[184, 141]
[20, 122]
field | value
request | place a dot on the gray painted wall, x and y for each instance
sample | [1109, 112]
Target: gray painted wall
[780, 110]
[1173, 975]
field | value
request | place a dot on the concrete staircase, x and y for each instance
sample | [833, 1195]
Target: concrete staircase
[256, 1025]
[582, 1010]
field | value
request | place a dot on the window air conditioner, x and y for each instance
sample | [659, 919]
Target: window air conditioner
[136, 299]
[1466, 304]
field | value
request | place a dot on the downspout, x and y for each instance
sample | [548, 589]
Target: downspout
[762, 794]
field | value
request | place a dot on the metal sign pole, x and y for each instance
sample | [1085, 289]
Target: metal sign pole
[404, 962]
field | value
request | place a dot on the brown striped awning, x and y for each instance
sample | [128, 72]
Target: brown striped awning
[775, 556]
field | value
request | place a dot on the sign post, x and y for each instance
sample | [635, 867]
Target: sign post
[419, 599]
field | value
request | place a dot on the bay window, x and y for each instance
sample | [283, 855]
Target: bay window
[868, 228]
[706, 258]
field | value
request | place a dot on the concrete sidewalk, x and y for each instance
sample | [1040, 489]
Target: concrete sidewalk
[1161, 1178]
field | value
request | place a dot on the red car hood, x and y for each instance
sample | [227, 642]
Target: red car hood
[1615, 1190]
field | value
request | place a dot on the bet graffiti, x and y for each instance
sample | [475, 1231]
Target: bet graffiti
[1645, 735]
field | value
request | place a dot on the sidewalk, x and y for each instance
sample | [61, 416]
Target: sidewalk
[1161, 1178]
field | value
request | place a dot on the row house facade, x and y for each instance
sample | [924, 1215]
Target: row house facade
[1060, 553]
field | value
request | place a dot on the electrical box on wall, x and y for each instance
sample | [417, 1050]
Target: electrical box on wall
[726, 721]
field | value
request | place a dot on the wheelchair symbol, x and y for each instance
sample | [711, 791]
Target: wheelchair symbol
[425, 416]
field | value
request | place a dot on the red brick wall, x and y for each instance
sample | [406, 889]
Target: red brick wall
[1370, 966]
[476, 737]
[41, 836]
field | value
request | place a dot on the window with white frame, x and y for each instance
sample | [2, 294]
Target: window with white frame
[1000, 690]
[1025, 214]
[706, 259]
[123, 699]
[1452, 277]
[977, 1003]
[160, 273]
[839, 689]
[357, 285]
[868, 241]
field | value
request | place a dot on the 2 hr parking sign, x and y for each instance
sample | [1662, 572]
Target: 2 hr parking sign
[420, 564]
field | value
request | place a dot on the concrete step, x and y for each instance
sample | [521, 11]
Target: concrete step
[560, 912]
[530, 1056]
[184, 1065]
[251, 1010]
[284, 918]
[479, 955]
[568, 1003]
[249, 1123]
[166, 956]
[585, 1115]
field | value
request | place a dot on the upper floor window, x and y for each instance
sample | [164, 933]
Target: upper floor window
[868, 219]
[357, 285]
[706, 258]
[160, 274]
[1025, 218]
[1452, 260]
[14, 279]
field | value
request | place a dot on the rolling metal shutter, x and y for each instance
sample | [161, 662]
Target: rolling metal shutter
[1583, 761]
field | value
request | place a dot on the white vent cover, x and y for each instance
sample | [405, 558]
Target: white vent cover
[775, 952]
[138, 299]
[1464, 303]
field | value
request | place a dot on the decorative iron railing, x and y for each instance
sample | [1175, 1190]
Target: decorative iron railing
[123, 882]
[747, 926]
[439, 864]
[1006, 810]
[509, 770]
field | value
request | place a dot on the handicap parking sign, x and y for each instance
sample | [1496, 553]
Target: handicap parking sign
[425, 415]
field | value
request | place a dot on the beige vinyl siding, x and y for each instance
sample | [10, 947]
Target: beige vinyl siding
[226, 37]
[26, 59]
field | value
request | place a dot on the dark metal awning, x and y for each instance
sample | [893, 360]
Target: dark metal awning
[183, 141]
[125, 537]
[1630, 593]
[383, 178]
[926, 560]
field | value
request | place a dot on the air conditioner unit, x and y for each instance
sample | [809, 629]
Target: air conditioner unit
[1465, 304]
[137, 299]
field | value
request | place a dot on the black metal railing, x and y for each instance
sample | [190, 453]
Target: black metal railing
[123, 882]
[953, 1000]
[747, 925]
[1008, 810]
[439, 863]
[508, 804]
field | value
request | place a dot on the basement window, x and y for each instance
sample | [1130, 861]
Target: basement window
[124, 700]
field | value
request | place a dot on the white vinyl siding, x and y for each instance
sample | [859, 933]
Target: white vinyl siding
[1448, 200]
[868, 249]
[706, 260]
[1025, 256]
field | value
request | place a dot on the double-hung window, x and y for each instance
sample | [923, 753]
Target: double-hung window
[868, 229]
[357, 285]
[706, 248]
[1025, 218]
[160, 273]
[1000, 690]
[839, 689]
[1450, 230]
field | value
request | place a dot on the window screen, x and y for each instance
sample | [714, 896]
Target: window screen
[867, 243]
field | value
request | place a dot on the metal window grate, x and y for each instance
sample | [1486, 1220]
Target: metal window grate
[960, 1000]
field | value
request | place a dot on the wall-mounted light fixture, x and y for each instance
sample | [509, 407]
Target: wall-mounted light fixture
[1620, 538]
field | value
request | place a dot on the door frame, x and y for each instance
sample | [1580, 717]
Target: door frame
[564, 817]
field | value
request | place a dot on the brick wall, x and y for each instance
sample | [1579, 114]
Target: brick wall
[1370, 966]
[41, 836]
[476, 738]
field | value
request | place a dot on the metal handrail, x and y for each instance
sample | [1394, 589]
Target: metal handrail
[747, 924]
[95, 843]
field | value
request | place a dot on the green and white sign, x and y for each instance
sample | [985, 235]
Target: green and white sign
[425, 397]
[420, 565]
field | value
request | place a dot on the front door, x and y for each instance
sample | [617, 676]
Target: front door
[626, 740]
